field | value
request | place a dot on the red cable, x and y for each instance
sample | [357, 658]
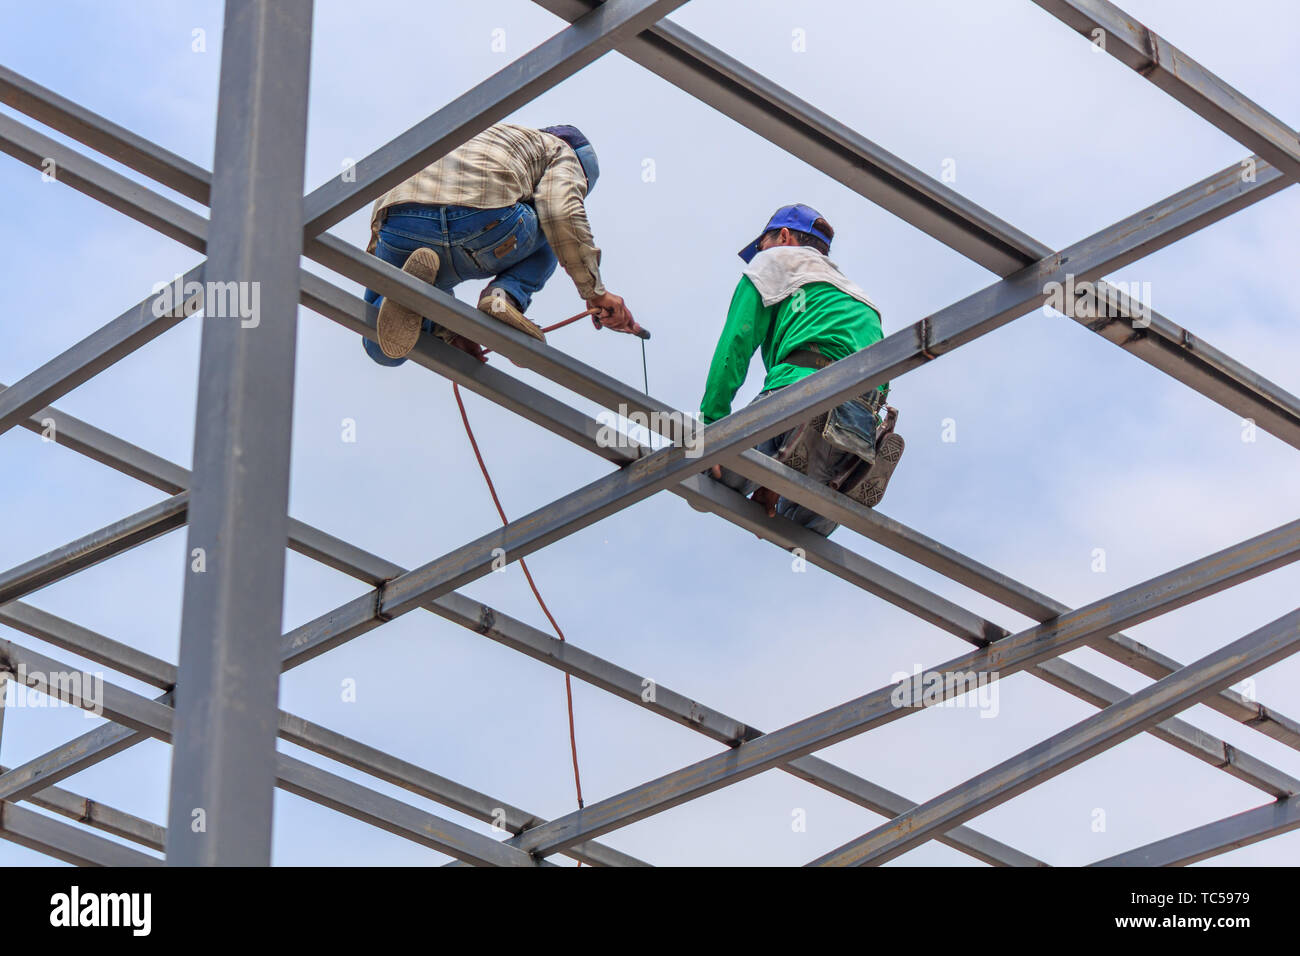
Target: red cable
[560, 325]
[568, 684]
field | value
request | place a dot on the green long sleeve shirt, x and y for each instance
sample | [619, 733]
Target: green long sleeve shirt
[834, 321]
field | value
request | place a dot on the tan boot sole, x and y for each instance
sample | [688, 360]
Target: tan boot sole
[398, 327]
[871, 489]
[500, 308]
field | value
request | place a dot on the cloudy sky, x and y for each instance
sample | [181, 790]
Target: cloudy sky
[1064, 444]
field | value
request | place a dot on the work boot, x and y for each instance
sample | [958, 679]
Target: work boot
[868, 486]
[499, 305]
[398, 327]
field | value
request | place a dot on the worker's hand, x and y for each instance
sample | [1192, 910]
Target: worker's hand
[612, 313]
[768, 499]
[471, 348]
[716, 472]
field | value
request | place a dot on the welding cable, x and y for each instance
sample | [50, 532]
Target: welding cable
[482, 466]
[568, 683]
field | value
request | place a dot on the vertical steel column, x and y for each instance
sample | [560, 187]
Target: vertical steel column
[223, 757]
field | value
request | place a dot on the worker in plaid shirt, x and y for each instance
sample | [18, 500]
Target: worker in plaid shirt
[506, 206]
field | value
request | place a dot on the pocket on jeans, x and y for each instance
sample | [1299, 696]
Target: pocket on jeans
[498, 248]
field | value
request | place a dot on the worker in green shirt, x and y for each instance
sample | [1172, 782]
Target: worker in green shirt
[797, 309]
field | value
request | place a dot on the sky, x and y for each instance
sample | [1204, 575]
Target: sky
[1066, 447]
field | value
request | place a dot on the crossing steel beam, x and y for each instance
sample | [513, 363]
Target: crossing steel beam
[1000, 659]
[1142, 232]
[494, 624]
[1151, 55]
[1212, 839]
[157, 719]
[261, 127]
[755, 102]
[65, 842]
[296, 730]
[98, 816]
[1060, 752]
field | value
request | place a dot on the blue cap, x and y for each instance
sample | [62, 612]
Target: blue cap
[798, 218]
[582, 147]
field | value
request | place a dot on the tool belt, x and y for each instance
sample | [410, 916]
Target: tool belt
[850, 426]
[807, 358]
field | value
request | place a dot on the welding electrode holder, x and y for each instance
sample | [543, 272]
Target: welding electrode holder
[643, 334]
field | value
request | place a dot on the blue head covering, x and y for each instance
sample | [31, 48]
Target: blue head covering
[582, 146]
[797, 217]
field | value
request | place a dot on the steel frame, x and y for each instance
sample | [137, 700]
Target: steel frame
[228, 658]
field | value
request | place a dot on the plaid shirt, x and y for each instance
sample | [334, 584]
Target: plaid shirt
[504, 165]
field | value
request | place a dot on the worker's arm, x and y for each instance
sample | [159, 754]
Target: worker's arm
[561, 212]
[743, 332]
[558, 199]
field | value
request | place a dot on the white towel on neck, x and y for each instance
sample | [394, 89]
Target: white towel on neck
[778, 271]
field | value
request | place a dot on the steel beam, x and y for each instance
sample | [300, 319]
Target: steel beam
[134, 328]
[98, 815]
[104, 136]
[91, 549]
[992, 584]
[30, 778]
[1212, 839]
[540, 408]
[1162, 343]
[297, 730]
[1000, 659]
[590, 37]
[752, 100]
[64, 841]
[1175, 215]
[362, 615]
[1071, 747]
[352, 617]
[798, 126]
[951, 327]
[1146, 52]
[223, 757]
[1059, 673]
[98, 182]
[366, 567]
[157, 720]
[565, 656]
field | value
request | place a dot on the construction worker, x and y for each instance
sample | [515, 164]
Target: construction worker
[795, 306]
[504, 206]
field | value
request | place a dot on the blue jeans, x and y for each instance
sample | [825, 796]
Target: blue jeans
[824, 463]
[504, 245]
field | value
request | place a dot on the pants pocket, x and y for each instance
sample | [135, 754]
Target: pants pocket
[500, 248]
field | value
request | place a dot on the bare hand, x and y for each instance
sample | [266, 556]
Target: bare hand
[716, 472]
[612, 313]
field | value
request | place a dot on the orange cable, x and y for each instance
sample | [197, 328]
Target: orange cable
[568, 684]
[560, 325]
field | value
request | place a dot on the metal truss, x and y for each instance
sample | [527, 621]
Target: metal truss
[234, 503]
